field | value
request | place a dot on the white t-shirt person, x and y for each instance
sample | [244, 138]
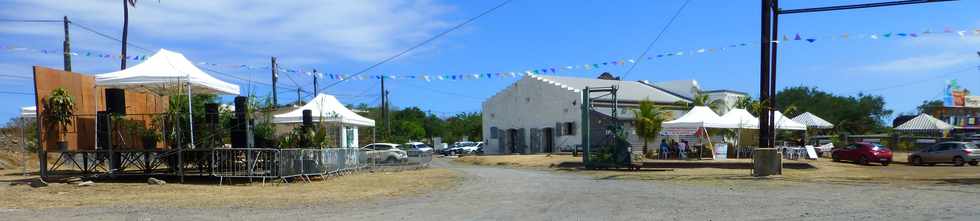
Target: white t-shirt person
[682, 149]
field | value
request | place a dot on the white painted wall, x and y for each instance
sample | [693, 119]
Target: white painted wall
[532, 103]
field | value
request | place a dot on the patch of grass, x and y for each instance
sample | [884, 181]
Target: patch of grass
[340, 189]
[527, 161]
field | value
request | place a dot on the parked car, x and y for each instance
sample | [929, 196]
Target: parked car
[863, 153]
[385, 152]
[468, 149]
[957, 153]
[417, 146]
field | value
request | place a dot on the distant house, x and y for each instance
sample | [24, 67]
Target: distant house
[542, 114]
[689, 88]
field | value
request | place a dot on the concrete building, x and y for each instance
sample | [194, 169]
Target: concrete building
[542, 114]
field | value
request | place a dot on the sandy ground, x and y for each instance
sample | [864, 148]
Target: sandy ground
[513, 193]
[207, 194]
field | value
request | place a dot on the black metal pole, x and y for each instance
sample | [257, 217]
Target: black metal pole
[772, 70]
[275, 79]
[316, 89]
[67, 47]
[125, 35]
[859, 6]
[384, 111]
[764, 132]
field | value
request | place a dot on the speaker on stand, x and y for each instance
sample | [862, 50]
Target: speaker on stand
[239, 128]
[115, 104]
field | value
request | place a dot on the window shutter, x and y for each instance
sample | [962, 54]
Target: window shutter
[494, 133]
[572, 128]
[558, 129]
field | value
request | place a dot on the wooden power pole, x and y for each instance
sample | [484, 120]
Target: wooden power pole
[67, 47]
[275, 79]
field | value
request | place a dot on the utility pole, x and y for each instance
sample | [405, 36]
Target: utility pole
[299, 97]
[387, 114]
[384, 110]
[316, 89]
[275, 79]
[125, 34]
[769, 43]
[67, 47]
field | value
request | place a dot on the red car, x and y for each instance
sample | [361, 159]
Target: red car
[863, 153]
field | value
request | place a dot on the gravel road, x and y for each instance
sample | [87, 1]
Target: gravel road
[493, 193]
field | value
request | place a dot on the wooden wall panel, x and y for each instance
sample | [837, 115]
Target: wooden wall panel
[88, 100]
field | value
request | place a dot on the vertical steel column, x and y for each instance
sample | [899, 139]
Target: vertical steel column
[772, 70]
[586, 131]
[764, 132]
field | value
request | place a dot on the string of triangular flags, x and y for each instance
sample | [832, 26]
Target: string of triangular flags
[962, 33]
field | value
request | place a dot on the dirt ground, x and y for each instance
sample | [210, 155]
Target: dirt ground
[138, 193]
[825, 171]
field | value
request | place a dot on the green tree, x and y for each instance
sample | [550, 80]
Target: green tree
[851, 114]
[648, 122]
[930, 107]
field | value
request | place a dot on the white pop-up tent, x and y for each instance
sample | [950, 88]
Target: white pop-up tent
[924, 122]
[743, 118]
[28, 112]
[784, 123]
[812, 121]
[698, 117]
[163, 73]
[326, 108]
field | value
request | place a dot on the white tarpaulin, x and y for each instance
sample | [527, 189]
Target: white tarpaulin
[325, 108]
[28, 112]
[812, 121]
[924, 122]
[784, 123]
[162, 72]
[743, 118]
[698, 117]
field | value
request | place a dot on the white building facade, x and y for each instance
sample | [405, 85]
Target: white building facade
[543, 113]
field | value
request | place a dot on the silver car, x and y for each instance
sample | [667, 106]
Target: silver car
[957, 153]
[385, 153]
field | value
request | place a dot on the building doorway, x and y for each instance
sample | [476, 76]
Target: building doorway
[512, 139]
[549, 140]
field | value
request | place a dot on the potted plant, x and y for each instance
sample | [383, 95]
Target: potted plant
[58, 110]
[150, 137]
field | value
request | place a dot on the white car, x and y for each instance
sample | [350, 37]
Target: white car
[385, 152]
[417, 146]
[470, 147]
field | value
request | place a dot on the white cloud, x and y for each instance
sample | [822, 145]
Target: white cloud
[363, 30]
[921, 63]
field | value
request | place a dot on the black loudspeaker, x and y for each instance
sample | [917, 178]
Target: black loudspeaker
[115, 101]
[307, 118]
[238, 134]
[241, 107]
[103, 129]
[211, 113]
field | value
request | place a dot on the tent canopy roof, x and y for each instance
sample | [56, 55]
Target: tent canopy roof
[812, 121]
[164, 70]
[28, 112]
[924, 122]
[742, 117]
[325, 108]
[698, 117]
[784, 123]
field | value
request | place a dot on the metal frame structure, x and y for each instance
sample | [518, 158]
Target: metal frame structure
[770, 41]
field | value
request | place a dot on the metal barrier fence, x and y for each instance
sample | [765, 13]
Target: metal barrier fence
[283, 164]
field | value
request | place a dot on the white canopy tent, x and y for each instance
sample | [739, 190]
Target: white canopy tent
[812, 121]
[28, 112]
[163, 72]
[924, 122]
[784, 123]
[698, 117]
[743, 118]
[326, 108]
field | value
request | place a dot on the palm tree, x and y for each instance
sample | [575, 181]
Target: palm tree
[648, 120]
[125, 34]
[703, 100]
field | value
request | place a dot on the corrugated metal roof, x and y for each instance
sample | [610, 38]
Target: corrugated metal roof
[813, 121]
[628, 90]
[924, 122]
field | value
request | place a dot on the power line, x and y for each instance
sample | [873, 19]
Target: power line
[83, 27]
[31, 20]
[16, 92]
[662, 31]
[421, 43]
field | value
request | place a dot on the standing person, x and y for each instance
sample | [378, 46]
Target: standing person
[664, 149]
[682, 149]
[673, 148]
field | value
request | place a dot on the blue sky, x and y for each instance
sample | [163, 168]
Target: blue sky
[347, 36]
